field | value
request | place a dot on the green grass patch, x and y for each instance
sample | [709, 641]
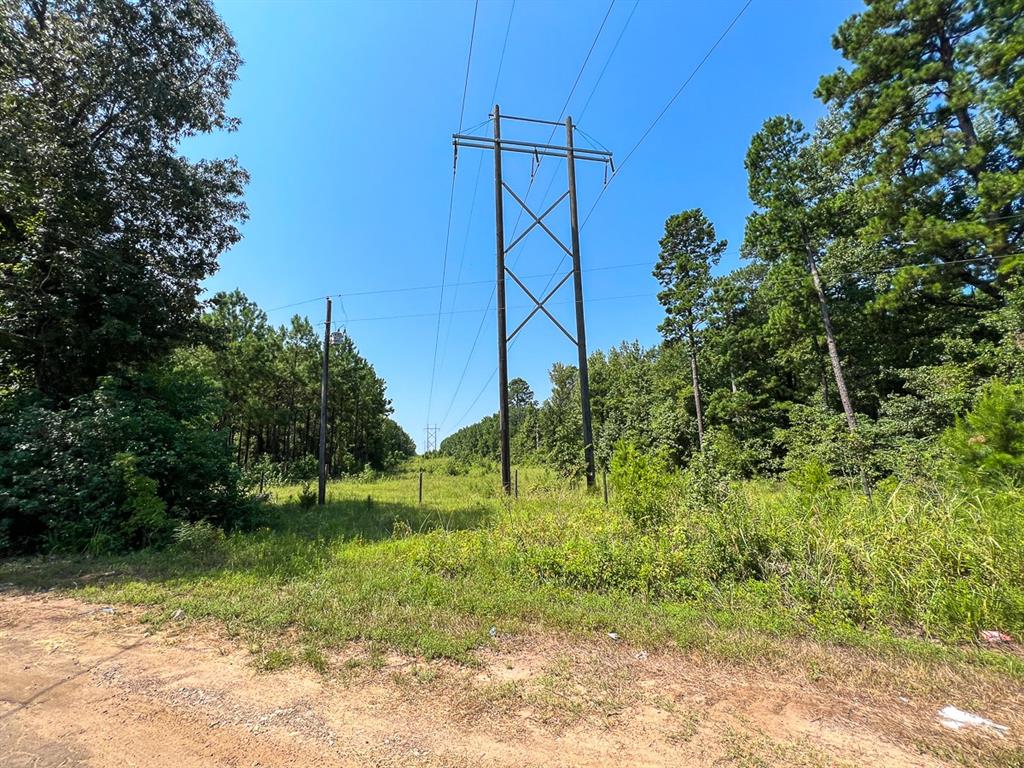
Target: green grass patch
[917, 572]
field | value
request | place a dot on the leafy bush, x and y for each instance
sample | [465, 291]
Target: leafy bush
[307, 496]
[989, 441]
[200, 538]
[115, 468]
[641, 484]
[262, 474]
[304, 469]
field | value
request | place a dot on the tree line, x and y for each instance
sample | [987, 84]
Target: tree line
[130, 406]
[271, 380]
[880, 290]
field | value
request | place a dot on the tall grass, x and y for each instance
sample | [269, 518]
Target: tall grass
[719, 562]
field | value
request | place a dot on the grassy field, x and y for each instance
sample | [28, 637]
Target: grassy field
[732, 571]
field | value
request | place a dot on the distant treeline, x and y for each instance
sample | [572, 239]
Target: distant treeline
[881, 288]
[270, 378]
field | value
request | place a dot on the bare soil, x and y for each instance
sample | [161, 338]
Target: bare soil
[89, 685]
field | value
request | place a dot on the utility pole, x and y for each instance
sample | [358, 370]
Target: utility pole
[499, 229]
[571, 153]
[581, 326]
[322, 496]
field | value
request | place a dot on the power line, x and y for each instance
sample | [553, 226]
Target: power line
[668, 106]
[608, 61]
[515, 228]
[651, 127]
[435, 286]
[584, 65]
[476, 185]
[415, 315]
[451, 206]
[650, 265]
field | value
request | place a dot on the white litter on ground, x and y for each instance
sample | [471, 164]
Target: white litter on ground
[955, 719]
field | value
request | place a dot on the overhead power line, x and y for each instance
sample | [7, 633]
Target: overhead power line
[435, 286]
[654, 123]
[476, 186]
[668, 105]
[451, 206]
[827, 275]
[515, 228]
[640, 141]
[607, 61]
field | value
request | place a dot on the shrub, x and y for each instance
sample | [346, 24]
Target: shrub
[114, 469]
[307, 496]
[988, 443]
[305, 468]
[200, 537]
[642, 485]
[147, 522]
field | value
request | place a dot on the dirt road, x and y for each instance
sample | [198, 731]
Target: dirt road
[84, 685]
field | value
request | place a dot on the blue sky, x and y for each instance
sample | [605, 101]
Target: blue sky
[347, 112]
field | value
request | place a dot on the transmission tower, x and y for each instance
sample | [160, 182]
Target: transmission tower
[431, 442]
[498, 146]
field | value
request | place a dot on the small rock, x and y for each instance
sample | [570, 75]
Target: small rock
[613, 635]
[178, 614]
[641, 655]
[107, 609]
[493, 631]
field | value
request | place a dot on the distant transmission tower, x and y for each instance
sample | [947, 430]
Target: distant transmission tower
[431, 443]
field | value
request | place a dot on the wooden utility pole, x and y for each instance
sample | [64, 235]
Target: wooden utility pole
[536, 150]
[581, 326]
[499, 229]
[322, 495]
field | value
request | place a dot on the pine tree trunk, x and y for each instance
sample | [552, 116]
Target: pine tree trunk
[824, 372]
[696, 391]
[830, 341]
[833, 353]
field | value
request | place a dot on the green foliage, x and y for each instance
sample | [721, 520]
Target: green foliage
[307, 496]
[116, 467]
[752, 558]
[933, 102]
[304, 469]
[643, 490]
[200, 541]
[106, 229]
[147, 522]
[689, 250]
[989, 441]
[270, 378]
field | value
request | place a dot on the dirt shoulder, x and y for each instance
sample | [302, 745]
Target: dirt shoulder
[82, 685]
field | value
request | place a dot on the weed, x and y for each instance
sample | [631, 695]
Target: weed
[728, 567]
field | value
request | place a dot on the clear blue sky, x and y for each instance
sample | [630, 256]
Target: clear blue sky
[347, 112]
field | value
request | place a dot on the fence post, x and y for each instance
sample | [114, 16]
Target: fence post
[604, 481]
[517, 482]
[421, 486]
